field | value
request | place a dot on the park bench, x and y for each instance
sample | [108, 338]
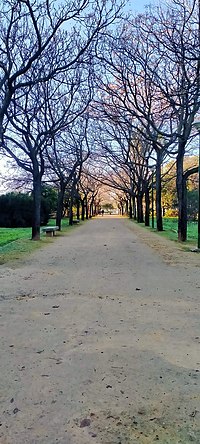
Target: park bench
[76, 221]
[50, 231]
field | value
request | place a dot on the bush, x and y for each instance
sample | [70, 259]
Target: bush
[171, 212]
[16, 210]
[192, 207]
[49, 199]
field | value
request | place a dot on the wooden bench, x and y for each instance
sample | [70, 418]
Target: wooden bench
[76, 221]
[50, 231]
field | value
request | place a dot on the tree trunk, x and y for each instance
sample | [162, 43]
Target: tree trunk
[59, 212]
[127, 202]
[182, 199]
[147, 207]
[71, 203]
[91, 213]
[159, 192]
[86, 209]
[134, 209]
[140, 216]
[78, 209]
[36, 206]
[82, 209]
[130, 208]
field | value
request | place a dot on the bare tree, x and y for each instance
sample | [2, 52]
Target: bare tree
[39, 39]
[133, 93]
[35, 119]
[181, 41]
[124, 152]
[65, 159]
[89, 188]
[152, 73]
[41, 74]
[173, 36]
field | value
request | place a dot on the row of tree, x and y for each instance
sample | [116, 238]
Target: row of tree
[47, 61]
[149, 100]
[90, 97]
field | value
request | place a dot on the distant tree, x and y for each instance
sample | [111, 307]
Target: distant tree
[66, 156]
[108, 206]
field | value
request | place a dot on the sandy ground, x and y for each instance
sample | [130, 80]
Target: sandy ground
[100, 340]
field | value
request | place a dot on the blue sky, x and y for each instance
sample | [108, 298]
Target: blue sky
[138, 5]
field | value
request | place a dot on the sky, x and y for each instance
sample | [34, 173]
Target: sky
[138, 5]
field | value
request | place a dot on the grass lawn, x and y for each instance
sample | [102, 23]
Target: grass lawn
[8, 235]
[170, 226]
[16, 242]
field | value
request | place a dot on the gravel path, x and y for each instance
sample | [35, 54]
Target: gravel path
[100, 340]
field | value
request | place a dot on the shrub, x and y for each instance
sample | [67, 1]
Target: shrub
[49, 199]
[192, 208]
[16, 210]
[171, 212]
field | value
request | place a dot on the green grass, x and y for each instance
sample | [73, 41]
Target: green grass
[16, 242]
[170, 226]
[8, 235]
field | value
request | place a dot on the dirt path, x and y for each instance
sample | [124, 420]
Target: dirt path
[100, 340]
